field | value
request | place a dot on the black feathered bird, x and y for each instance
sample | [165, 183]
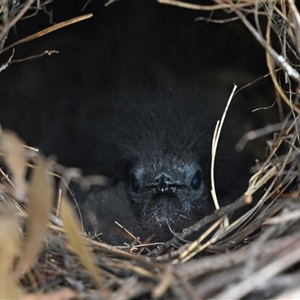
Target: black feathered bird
[155, 143]
[156, 146]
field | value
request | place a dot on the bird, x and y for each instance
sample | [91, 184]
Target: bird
[155, 146]
[136, 101]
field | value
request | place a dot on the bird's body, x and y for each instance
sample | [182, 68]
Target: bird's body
[152, 135]
[156, 146]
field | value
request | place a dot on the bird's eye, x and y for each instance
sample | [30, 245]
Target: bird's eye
[196, 181]
[134, 183]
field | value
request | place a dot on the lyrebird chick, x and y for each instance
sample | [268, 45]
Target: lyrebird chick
[156, 145]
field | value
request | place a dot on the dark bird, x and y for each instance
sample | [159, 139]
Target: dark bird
[153, 141]
[156, 147]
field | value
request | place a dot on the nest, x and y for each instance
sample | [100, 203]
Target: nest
[257, 256]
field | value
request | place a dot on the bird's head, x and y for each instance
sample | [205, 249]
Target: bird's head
[167, 190]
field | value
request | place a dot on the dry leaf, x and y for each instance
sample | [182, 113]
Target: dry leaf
[41, 195]
[13, 153]
[75, 239]
[9, 249]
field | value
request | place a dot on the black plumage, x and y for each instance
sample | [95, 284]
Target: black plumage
[155, 144]
[152, 135]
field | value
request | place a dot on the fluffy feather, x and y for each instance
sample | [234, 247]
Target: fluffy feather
[156, 145]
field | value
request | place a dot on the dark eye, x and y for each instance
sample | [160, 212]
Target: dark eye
[196, 181]
[134, 183]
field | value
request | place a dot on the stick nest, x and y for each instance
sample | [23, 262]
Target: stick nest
[255, 257]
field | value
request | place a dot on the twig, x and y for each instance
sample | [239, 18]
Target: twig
[49, 30]
[215, 141]
[10, 24]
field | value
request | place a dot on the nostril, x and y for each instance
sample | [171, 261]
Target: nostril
[168, 180]
[163, 178]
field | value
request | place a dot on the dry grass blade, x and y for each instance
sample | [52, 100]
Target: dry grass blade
[41, 195]
[165, 282]
[9, 250]
[293, 294]
[62, 294]
[212, 7]
[10, 24]
[48, 30]
[196, 246]
[75, 238]
[243, 288]
[215, 141]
